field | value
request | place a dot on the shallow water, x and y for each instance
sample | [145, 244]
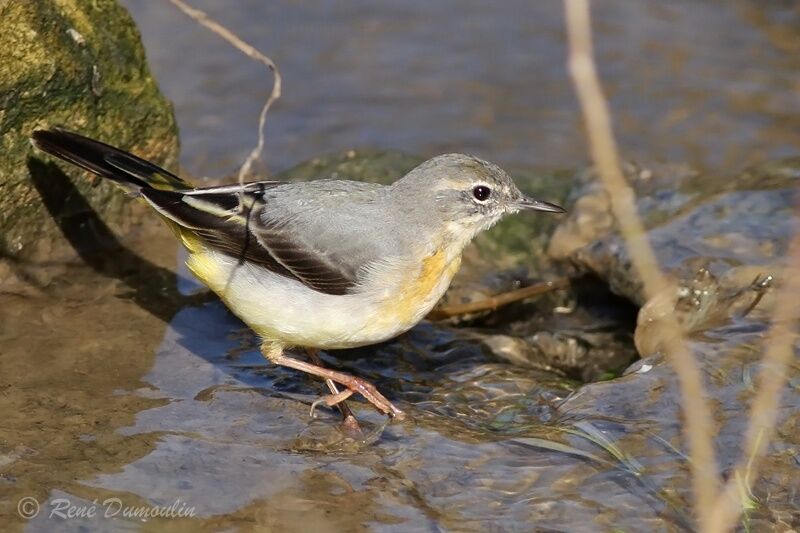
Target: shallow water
[117, 386]
[712, 84]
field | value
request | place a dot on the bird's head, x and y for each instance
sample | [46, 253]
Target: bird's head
[465, 193]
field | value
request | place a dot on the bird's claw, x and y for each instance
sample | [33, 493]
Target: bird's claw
[330, 400]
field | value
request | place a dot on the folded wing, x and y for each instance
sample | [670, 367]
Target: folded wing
[230, 219]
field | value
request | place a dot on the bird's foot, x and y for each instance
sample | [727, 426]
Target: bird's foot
[353, 384]
[330, 400]
[365, 389]
[371, 394]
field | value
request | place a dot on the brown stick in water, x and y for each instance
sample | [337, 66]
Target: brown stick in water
[492, 303]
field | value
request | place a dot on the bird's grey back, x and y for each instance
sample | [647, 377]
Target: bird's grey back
[352, 223]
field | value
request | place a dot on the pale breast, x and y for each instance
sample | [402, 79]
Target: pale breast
[416, 292]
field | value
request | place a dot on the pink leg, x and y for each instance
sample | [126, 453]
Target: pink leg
[274, 353]
[337, 398]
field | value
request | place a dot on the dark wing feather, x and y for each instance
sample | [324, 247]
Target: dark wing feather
[104, 160]
[215, 217]
[314, 268]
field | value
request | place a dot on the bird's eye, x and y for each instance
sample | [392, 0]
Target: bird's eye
[481, 192]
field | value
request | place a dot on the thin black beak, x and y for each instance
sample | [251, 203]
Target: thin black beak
[538, 205]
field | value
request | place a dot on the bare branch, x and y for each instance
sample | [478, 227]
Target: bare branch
[203, 19]
[698, 426]
[492, 303]
[779, 352]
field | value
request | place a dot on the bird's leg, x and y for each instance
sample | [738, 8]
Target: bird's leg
[274, 352]
[336, 398]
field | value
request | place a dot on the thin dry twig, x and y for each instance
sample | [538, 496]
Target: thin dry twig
[492, 303]
[250, 51]
[698, 426]
[779, 351]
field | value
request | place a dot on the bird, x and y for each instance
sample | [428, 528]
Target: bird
[322, 264]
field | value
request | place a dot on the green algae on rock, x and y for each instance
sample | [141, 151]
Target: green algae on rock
[78, 64]
[380, 166]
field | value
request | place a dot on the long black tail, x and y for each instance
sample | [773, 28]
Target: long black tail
[127, 170]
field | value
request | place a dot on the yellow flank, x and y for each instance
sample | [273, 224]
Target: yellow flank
[201, 264]
[205, 268]
[191, 241]
[422, 291]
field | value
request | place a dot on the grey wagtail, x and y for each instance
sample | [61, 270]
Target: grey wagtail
[323, 264]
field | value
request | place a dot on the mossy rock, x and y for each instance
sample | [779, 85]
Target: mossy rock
[378, 166]
[78, 64]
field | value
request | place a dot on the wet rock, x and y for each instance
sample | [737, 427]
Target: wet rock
[693, 222]
[721, 241]
[78, 64]
[640, 414]
[585, 333]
